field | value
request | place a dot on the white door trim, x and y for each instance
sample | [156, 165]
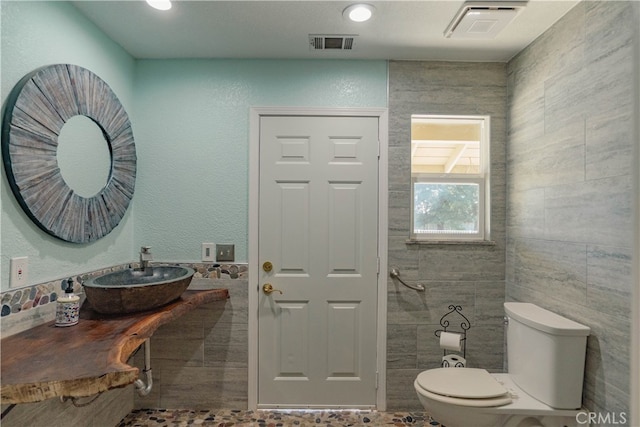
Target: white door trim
[253, 272]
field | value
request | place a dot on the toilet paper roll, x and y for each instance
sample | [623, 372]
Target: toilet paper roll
[450, 341]
[453, 361]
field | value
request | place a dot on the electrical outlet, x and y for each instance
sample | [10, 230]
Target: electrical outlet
[208, 252]
[19, 271]
[225, 253]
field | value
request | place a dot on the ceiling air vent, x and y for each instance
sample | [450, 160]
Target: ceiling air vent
[479, 20]
[331, 42]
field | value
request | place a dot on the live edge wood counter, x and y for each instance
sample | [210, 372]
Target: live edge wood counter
[87, 358]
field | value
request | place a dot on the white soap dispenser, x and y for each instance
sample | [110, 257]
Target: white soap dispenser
[68, 307]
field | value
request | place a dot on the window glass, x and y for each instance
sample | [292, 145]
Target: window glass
[449, 175]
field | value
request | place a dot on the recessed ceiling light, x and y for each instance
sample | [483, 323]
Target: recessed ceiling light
[358, 12]
[160, 4]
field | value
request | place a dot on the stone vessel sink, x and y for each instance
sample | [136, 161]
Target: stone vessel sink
[132, 290]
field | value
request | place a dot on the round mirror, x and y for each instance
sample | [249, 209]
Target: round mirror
[84, 156]
[99, 171]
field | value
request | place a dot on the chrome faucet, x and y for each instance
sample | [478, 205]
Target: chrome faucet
[145, 257]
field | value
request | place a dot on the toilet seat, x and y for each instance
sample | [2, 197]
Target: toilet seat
[463, 386]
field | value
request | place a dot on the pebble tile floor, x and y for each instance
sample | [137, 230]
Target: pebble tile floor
[229, 418]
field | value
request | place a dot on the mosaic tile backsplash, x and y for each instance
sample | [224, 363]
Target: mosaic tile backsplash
[40, 295]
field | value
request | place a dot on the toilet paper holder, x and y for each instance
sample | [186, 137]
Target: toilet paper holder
[464, 326]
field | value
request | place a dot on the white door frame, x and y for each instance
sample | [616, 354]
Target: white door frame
[253, 269]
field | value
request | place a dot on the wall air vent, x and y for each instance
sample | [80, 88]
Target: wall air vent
[331, 42]
[479, 20]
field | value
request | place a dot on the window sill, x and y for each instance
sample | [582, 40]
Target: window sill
[412, 242]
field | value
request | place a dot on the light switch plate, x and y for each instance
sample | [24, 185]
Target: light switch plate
[208, 252]
[225, 253]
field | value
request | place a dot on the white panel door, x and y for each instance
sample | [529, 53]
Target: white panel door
[318, 228]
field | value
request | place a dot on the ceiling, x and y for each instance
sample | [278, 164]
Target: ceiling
[401, 30]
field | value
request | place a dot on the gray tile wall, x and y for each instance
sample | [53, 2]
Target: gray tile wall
[200, 360]
[569, 160]
[464, 274]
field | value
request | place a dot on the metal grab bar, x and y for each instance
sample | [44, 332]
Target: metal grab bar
[395, 274]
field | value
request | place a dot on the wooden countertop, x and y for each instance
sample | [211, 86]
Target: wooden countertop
[87, 358]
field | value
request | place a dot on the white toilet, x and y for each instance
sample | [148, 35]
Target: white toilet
[546, 354]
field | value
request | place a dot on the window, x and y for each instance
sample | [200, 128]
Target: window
[449, 177]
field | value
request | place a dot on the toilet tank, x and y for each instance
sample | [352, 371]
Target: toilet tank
[546, 354]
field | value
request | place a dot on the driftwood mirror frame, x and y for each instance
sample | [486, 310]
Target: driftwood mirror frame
[36, 110]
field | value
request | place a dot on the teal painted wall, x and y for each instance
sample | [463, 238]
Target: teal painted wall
[35, 34]
[192, 137]
[191, 123]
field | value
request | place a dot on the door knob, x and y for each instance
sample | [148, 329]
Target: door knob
[268, 288]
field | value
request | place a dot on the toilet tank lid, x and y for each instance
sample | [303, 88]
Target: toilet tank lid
[544, 320]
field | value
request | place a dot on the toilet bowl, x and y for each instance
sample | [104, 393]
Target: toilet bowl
[546, 354]
[512, 408]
